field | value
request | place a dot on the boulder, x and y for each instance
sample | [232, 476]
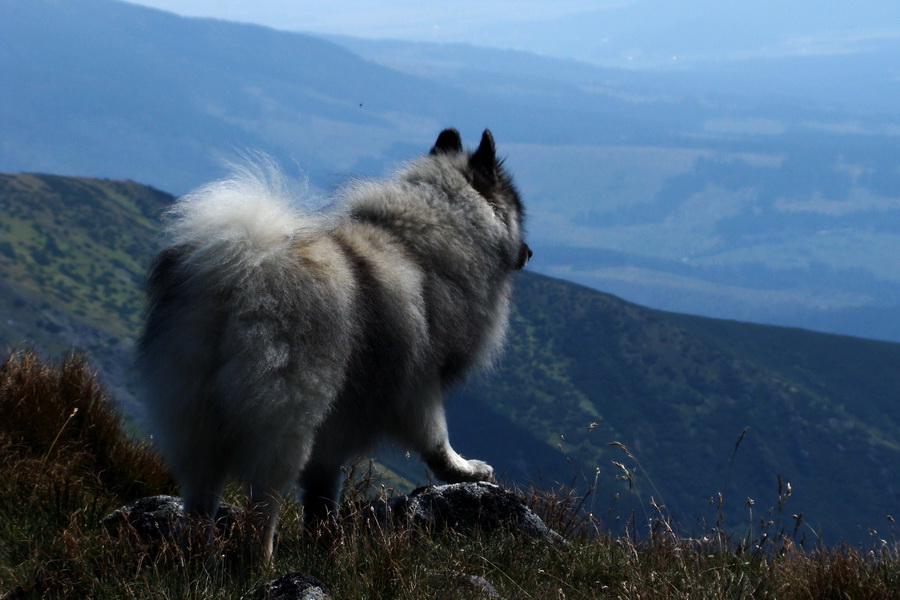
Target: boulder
[159, 518]
[291, 586]
[463, 508]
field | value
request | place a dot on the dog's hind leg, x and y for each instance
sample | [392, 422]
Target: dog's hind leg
[201, 506]
[264, 510]
[202, 497]
[321, 487]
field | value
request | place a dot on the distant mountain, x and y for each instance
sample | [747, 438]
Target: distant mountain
[622, 33]
[662, 34]
[704, 406]
[114, 89]
[821, 84]
[762, 187]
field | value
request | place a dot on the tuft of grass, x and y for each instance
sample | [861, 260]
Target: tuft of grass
[65, 463]
[61, 415]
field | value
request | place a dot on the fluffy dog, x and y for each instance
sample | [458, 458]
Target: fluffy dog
[280, 344]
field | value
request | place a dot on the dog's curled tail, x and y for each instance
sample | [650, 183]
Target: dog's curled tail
[236, 225]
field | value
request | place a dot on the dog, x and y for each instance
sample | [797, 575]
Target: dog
[279, 344]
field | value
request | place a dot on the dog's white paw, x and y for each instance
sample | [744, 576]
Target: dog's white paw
[478, 470]
[450, 467]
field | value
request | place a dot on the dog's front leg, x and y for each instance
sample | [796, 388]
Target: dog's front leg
[427, 434]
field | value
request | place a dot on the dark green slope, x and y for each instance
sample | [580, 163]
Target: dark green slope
[582, 369]
[827, 364]
[678, 391]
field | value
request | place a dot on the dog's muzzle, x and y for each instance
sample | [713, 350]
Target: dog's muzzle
[525, 255]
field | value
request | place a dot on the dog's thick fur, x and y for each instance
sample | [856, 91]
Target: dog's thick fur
[279, 344]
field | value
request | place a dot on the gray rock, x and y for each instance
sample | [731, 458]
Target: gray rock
[159, 518]
[291, 586]
[464, 508]
[156, 517]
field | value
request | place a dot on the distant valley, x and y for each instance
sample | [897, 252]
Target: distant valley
[760, 188]
[702, 190]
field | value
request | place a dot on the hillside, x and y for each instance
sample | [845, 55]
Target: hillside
[73, 253]
[704, 406]
[819, 410]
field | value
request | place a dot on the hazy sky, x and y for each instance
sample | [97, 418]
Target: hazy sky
[648, 32]
[401, 19]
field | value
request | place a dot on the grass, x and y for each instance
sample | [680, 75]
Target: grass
[65, 463]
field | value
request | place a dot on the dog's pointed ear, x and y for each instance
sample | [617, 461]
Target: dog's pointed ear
[485, 170]
[448, 141]
[485, 158]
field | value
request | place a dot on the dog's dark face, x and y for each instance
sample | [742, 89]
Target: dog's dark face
[487, 176]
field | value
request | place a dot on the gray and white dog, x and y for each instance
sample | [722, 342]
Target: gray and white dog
[280, 344]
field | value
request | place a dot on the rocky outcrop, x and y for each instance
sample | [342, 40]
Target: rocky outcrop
[461, 507]
[291, 586]
[464, 508]
[160, 518]
[156, 517]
